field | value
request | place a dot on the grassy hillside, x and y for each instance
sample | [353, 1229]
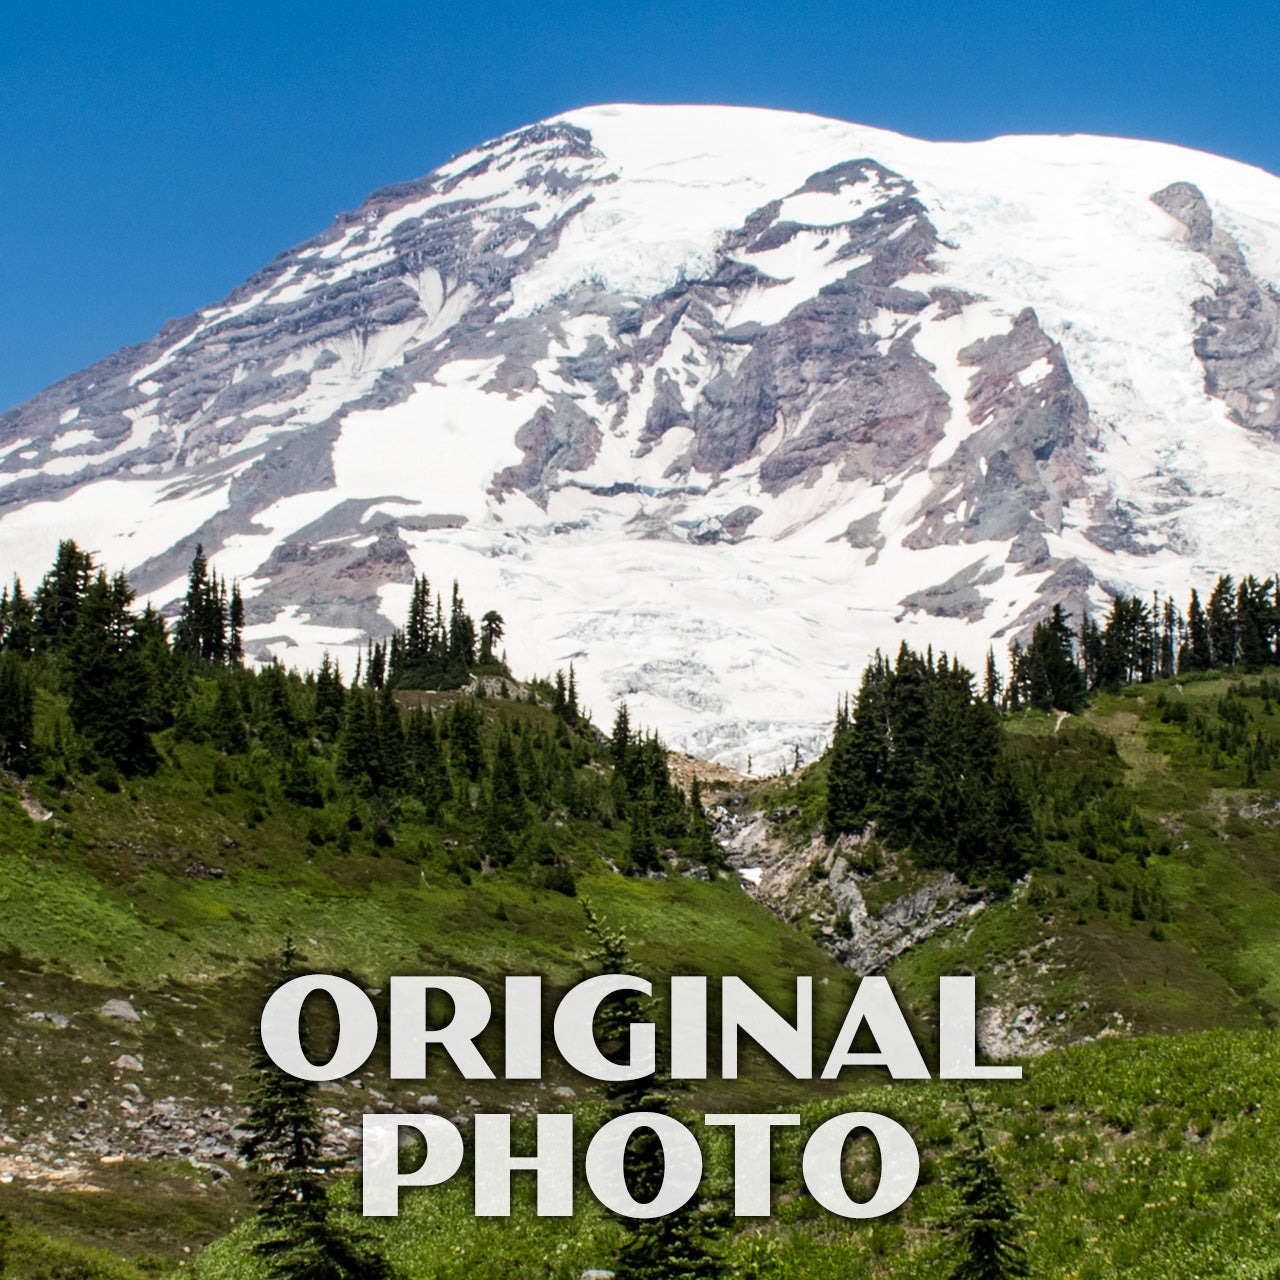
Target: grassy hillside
[177, 895]
[1155, 909]
[1145, 1158]
[1156, 904]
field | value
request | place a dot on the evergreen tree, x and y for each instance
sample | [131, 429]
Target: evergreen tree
[992, 685]
[428, 771]
[609, 953]
[375, 666]
[1056, 680]
[1198, 636]
[59, 596]
[620, 740]
[987, 1227]
[201, 630]
[235, 619]
[466, 750]
[227, 728]
[1221, 621]
[417, 632]
[491, 631]
[1255, 622]
[1168, 664]
[685, 1244]
[111, 685]
[18, 625]
[277, 723]
[462, 643]
[304, 1236]
[506, 814]
[642, 845]
[329, 698]
[300, 784]
[357, 750]
[391, 765]
[848, 798]
[1015, 690]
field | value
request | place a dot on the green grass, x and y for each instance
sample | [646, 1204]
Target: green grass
[117, 895]
[1147, 1158]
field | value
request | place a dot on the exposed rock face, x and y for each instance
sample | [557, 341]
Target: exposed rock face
[1011, 478]
[820, 373]
[1027, 455]
[877, 942]
[703, 400]
[817, 883]
[559, 437]
[1238, 339]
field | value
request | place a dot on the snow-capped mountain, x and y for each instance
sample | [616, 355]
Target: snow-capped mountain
[709, 401]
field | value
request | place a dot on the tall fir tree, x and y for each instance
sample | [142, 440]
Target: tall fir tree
[1198, 635]
[18, 634]
[428, 771]
[686, 1244]
[60, 594]
[329, 696]
[303, 1235]
[227, 728]
[1057, 682]
[987, 1227]
[491, 631]
[112, 686]
[1221, 621]
[235, 626]
[992, 685]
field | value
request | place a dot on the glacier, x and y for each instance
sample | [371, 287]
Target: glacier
[711, 402]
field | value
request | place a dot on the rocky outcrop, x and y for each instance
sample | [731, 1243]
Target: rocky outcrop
[1011, 477]
[559, 437]
[876, 942]
[1238, 338]
[821, 373]
[1028, 455]
[820, 884]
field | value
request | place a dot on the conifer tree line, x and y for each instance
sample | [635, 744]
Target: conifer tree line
[79, 634]
[1238, 627]
[211, 623]
[91, 687]
[435, 649]
[656, 810]
[921, 756]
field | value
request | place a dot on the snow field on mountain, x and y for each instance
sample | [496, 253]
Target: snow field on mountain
[730, 650]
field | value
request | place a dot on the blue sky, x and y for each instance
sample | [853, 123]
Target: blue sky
[153, 156]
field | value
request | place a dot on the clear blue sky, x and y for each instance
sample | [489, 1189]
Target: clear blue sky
[152, 156]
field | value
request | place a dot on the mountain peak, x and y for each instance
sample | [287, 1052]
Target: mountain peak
[712, 401]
